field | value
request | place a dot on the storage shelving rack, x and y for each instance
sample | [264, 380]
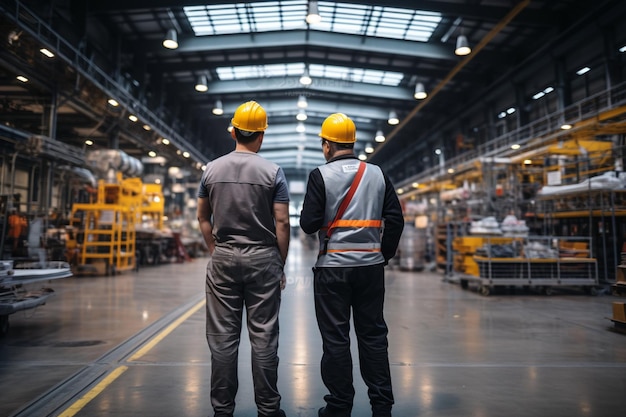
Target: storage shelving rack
[597, 125]
[563, 262]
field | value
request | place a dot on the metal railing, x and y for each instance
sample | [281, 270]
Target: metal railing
[541, 130]
[29, 22]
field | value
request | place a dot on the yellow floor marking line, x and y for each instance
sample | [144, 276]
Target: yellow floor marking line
[108, 380]
[152, 343]
[94, 392]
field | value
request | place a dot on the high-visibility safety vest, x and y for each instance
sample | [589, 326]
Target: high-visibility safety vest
[355, 239]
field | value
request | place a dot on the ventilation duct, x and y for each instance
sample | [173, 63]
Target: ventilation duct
[108, 162]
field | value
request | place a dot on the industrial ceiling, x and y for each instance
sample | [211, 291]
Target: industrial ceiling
[365, 58]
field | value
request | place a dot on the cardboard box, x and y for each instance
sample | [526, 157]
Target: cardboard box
[619, 311]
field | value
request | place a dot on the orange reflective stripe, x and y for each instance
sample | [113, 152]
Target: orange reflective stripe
[358, 223]
[351, 250]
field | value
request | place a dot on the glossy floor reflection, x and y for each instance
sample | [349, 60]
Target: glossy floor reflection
[453, 351]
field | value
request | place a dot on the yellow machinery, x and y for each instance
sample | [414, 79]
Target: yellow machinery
[106, 227]
[153, 206]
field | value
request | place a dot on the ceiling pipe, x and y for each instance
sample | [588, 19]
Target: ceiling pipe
[484, 41]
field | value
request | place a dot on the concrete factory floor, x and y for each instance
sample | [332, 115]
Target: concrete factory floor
[133, 345]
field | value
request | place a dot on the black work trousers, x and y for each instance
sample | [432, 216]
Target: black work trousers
[338, 291]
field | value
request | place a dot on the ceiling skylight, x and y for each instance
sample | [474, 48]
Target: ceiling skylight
[357, 75]
[379, 21]
[220, 19]
[384, 22]
[260, 71]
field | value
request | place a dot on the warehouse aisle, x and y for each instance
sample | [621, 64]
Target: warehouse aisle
[133, 345]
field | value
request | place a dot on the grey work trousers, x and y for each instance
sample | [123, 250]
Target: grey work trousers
[238, 276]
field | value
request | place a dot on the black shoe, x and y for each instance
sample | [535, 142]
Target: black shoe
[280, 413]
[324, 412]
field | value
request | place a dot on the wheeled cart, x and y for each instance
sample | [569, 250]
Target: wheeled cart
[14, 295]
[559, 264]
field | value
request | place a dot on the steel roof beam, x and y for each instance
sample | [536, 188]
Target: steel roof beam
[313, 38]
[317, 106]
[250, 86]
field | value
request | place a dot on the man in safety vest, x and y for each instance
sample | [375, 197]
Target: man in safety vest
[243, 212]
[349, 203]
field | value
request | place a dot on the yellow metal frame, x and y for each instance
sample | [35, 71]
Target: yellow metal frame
[153, 204]
[108, 235]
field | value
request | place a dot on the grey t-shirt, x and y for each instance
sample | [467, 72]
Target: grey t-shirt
[242, 188]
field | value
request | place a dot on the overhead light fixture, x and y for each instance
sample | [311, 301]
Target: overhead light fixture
[301, 116]
[147, 127]
[420, 92]
[583, 71]
[22, 78]
[622, 49]
[362, 156]
[306, 79]
[46, 52]
[165, 141]
[393, 118]
[302, 103]
[566, 126]
[462, 46]
[542, 93]
[515, 146]
[528, 162]
[14, 36]
[132, 118]
[171, 39]
[186, 154]
[113, 102]
[88, 142]
[300, 128]
[152, 154]
[313, 14]
[229, 128]
[380, 137]
[369, 148]
[218, 110]
[201, 84]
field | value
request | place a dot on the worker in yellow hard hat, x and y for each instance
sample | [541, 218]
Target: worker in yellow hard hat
[243, 212]
[249, 118]
[347, 202]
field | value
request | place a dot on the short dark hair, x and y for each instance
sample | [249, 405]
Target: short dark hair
[335, 146]
[246, 138]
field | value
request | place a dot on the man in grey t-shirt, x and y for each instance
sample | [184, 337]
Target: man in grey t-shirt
[243, 211]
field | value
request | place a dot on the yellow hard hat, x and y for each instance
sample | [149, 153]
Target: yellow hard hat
[250, 117]
[338, 128]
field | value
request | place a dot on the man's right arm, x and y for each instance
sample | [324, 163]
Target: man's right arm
[314, 205]
[204, 214]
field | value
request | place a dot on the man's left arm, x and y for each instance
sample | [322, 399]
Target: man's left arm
[394, 221]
